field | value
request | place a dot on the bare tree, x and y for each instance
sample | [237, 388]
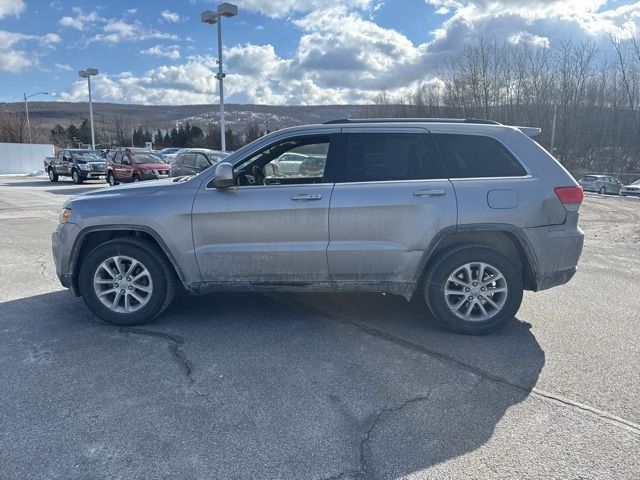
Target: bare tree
[13, 127]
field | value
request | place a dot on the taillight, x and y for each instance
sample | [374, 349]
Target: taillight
[571, 197]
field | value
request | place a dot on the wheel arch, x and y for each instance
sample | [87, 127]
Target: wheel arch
[91, 237]
[503, 237]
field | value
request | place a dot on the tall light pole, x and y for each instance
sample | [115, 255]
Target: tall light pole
[88, 73]
[224, 10]
[26, 108]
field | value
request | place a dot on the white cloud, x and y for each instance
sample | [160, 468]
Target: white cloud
[171, 51]
[63, 66]
[80, 19]
[343, 56]
[282, 8]
[11, 7]
[169, 16]
[116, 31]
[14, 58]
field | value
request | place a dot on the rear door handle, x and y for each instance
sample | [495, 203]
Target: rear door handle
[307, 196]
[429, 193]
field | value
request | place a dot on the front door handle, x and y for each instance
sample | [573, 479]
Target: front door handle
[429, 193]
[307, 196]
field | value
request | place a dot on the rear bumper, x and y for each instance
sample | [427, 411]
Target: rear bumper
[545, 282]
[557, 249]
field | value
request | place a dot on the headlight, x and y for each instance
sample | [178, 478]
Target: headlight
[84, 166]
[64, 216]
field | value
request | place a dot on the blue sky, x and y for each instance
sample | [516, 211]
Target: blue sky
[277, 51]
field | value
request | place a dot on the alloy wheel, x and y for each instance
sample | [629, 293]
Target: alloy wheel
[123, 284]
[476, 291]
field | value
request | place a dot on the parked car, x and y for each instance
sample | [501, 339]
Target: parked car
[170, 157]
[464, 213]
[76, 163]
[294, 164]
[191, 161]
[600, 183]
[135, 165]
[631, 190]
[167, 151]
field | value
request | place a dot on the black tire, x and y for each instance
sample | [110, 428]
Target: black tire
[75, 177]
[111, 179]
[162, 275]
[602, 190]
[135, 178]
[448, 263]
[53, 176]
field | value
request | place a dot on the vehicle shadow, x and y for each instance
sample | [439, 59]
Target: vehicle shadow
[63, 186]
[261, 386]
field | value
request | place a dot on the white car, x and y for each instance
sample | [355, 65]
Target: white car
[632, 190]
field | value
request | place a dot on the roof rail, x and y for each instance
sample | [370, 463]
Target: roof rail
[478, 121]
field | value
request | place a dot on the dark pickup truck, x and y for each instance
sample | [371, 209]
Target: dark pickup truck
[76, 163]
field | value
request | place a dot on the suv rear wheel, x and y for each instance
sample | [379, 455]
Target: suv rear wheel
[474, 289]
[126, 282]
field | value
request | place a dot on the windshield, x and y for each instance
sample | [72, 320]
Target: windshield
[139, 158]
[87, 156]
[637, 182]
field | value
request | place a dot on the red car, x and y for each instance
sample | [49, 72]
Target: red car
[135, 165]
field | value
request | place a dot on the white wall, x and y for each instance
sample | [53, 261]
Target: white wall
[23, 157]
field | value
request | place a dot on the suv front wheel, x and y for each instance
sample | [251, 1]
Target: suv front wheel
[126, 281]
[474, 289]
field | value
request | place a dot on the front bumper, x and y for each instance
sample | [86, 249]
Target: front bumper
[630, 193]
[154, 175]
[91, 175]
[62, 241]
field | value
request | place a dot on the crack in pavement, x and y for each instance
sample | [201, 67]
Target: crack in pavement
[384, 412]
[452, 361]
[175, 344]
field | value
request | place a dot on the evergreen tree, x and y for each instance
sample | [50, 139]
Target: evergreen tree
[175, 141]
[85, 132]
[159, 143]
[73, 135]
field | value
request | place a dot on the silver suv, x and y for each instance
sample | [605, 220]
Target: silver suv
[465, 213]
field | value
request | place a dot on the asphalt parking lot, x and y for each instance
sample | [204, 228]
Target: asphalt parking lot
[317, 386]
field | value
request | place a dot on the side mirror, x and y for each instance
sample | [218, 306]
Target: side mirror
[224, 176]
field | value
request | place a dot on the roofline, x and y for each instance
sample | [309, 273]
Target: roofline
[478, 121]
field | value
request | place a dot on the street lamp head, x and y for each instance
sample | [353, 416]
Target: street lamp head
[227, 10]
[209, 17]
[88, 72]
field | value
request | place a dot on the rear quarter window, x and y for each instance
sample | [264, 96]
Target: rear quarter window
[476, 156]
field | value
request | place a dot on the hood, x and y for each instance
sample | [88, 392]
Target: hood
[97, 160]
[130, 189]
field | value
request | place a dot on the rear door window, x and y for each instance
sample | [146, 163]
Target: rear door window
[382, 157]
[476, 156]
